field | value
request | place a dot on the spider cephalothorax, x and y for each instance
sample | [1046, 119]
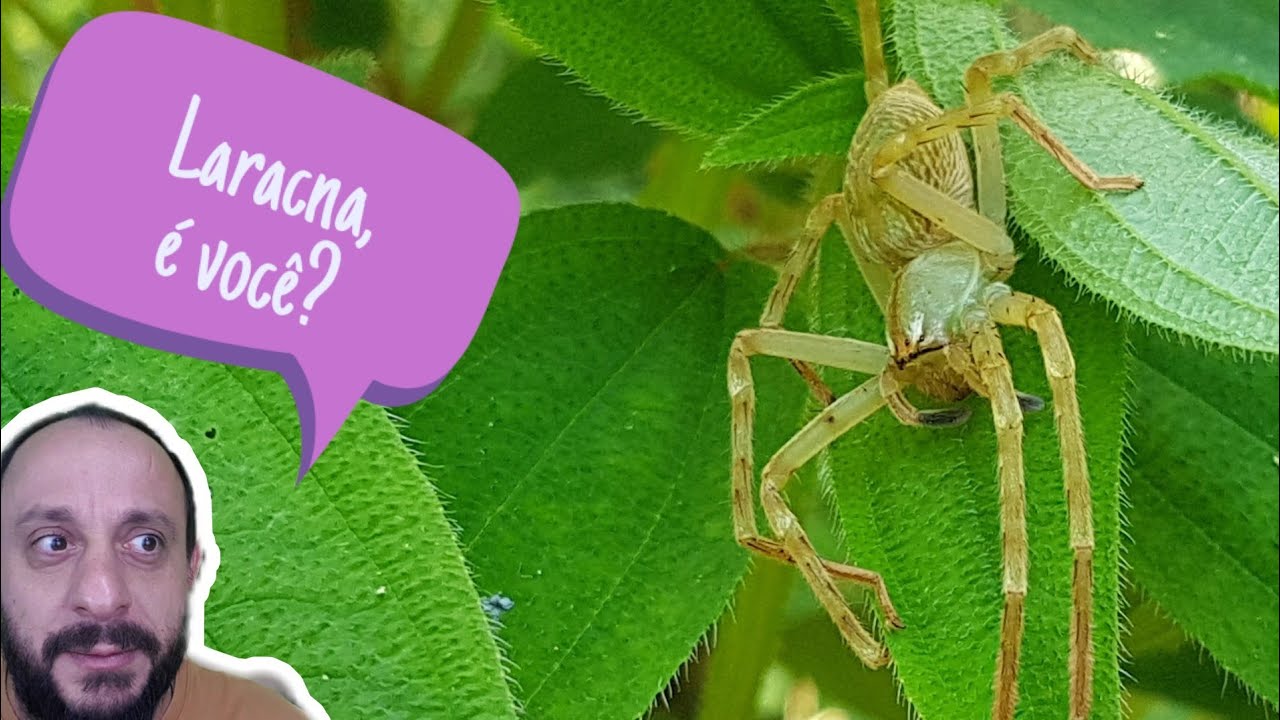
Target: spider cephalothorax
[937, 304]
[927, 229]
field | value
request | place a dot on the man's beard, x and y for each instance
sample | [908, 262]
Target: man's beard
[35, 688]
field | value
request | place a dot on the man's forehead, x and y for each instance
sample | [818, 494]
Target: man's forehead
[80, 464]
[41, 513]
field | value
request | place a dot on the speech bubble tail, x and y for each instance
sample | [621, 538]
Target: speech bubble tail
[325, 399]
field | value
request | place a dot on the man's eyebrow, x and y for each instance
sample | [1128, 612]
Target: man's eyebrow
[146, 517]
[60, 514]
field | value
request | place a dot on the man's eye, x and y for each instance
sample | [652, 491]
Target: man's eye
[147, 544]
[52, 543]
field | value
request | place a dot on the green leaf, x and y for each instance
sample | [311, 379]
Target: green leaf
[584, 436]
[261, 22]
[921, 506]
[1194, 250]
[1165, 663]
[1205, 504]
[354, 578]
[695, 66]
[818, 119]
[335, 24]
[200, 12]
[13, 126]
[812, 647]
[354, 66]
[540, 123]
[748, 639]
[1234, 40]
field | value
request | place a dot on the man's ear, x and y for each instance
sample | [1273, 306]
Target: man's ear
[193, 565]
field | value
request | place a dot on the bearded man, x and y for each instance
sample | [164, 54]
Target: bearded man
[98, 556]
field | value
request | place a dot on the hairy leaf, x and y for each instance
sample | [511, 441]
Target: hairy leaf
[354, 578]
[354, 66]
[695, 66]
[584, 437]
[1205, 500]
[818, 119]
[1194, 250]
[812, 647]
[540, 122]
[921, 506]
[1233, 40]
[1165, 663]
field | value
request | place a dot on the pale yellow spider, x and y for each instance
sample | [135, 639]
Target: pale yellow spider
[935, 266]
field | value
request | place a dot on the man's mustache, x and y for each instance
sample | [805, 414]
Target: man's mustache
[84, 637]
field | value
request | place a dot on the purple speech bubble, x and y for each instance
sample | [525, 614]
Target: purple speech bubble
[186, 190]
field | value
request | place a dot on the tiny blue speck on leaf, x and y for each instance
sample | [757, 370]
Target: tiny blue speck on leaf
[497, 604]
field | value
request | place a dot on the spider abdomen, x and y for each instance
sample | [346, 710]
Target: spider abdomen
[885, 230]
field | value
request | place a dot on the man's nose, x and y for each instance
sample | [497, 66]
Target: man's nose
[100, 589]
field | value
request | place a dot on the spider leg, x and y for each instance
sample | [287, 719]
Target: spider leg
[817, 386]
[1041, 317]
[908, 414]
[978, 88]
[820, 218]
[815, 226]
[793, 545]
[994, 370]
[979, 230]
[877, 76]
[828, 210]
[1030, 403]
[831, 423]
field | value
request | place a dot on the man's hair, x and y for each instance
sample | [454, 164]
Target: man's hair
[105, 417]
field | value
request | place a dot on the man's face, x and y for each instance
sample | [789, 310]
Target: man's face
[95, 573]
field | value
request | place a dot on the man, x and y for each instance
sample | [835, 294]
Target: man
[98, 556]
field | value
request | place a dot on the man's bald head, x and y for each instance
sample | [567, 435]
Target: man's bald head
[104, 417]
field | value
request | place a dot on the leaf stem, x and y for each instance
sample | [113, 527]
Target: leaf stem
[464, 34]
[749, 639]
[679, 185]
[56, 35]
[11, 68]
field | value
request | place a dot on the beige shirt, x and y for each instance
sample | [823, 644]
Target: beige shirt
[202, 694]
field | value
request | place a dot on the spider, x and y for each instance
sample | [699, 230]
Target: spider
[935, 258]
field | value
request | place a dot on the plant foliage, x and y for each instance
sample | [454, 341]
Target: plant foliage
[576, 461]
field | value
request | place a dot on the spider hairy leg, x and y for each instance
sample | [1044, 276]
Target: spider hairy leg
[835, 420]
[877, 75]
[909, 414]
[993, 367]
[1030, 403]
[795, 546]
[836, 352]
[1041, 317]
[976, 229]
[801, 256]
[798, 260]
[817, 386]
[978, 88]
[986, 114]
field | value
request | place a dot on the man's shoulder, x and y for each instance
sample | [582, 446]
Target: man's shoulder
[217, 695]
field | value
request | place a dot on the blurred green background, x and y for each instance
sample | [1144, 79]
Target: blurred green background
[777, 655]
